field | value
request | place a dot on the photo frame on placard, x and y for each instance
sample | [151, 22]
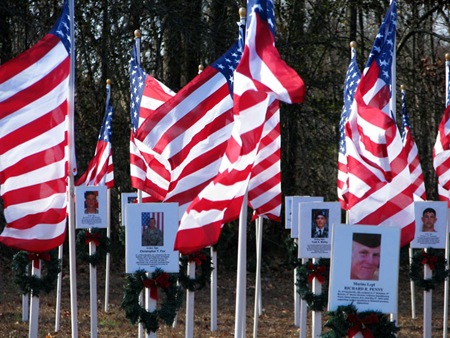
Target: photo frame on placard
[431, 225]
[126, 198]
[288, 200]
[364, 267]
[295, 205]
[316, 220]
[90, 207]
[149, 237]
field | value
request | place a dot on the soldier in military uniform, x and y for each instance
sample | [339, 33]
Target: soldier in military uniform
[320, 226]
[152, 236]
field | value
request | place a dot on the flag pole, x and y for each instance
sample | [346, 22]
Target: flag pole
[33, 326]
[258, 302]
[240, 314]
[447, 245]
[241, 278]
[108, 216]
[410, 250]
[72, 166]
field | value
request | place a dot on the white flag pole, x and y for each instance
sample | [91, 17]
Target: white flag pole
[34, 302]
[142, 298]
[257, 310]
[214, 290]
[427, 306]
[72, 166]
[93, 290]
[58, 291]
[447, 245]
[393, 101]
[241, 282]
[316, 315]
[189, 330]
[413, 292]
[108, 219]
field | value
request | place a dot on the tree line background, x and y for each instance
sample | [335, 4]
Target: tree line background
[313, 37]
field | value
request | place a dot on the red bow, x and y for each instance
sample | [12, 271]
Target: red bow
[316, 272]
[162, 281]
[90, 237]
[429, 259]
[359, 325]
[197, 257]
[35, 257]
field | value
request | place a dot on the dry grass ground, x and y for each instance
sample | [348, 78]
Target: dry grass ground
[277, 319]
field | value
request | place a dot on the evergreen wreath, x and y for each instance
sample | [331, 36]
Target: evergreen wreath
[346, 321]
[31, 284]
[292, 261]
[166, 312]
[202, 260]
[437, 263]
[102, 244]
[305, 274]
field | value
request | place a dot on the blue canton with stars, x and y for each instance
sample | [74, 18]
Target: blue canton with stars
[105, 131]
[351, 83]
[383, 49]
[228, 63]
[265, 10]
[62, 27]
[137, 85]
[405, 118]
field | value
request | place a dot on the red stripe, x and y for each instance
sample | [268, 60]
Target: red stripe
[36, 90]
[34, 192]
[51, 216]
[34, 162]
[33, 129]
[28, 58]
[34, 245]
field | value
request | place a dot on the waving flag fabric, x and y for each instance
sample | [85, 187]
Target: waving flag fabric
[413, 155]
[34, 89]
[351, 82]
[147, 94]
[380, 190]
[264, 187]
[441, 151]
[100, 170]
[260, 72]
[185, 138]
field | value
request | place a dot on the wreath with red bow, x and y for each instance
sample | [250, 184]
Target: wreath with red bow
[31, 284]
[102, 245]
[347, 322]
[166, 310]
[305, 275]
[203, 269]
[436, 262]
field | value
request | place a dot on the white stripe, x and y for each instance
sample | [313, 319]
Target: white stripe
[34, 73]
[35, 109]
[39, 231]
[17, 211]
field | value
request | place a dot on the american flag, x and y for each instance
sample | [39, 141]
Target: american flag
[351, 82]
[34, 89]
[413, 155]
[184, 139]
[380, 190]
[260, 72]
[441, 151]
[100, 170]
[147, 94]
[264, 187]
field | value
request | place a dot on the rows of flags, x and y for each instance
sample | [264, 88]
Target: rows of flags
[211, 144]
[380, 190]
[34, 138]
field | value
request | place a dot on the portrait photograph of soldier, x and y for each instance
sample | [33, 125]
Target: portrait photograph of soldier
[152, 225]
[431, 225]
